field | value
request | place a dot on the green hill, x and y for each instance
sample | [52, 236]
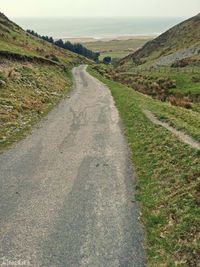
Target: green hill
[183, 37]
[34, 75]
[168, 67]
[15, 39]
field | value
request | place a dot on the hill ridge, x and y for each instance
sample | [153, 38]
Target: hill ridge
[182, 35]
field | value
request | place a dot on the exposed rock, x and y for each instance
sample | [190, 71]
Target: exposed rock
[178, 56]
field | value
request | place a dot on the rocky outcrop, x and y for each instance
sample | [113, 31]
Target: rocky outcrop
[179, 55]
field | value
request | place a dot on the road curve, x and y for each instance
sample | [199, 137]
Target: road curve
[67, 189]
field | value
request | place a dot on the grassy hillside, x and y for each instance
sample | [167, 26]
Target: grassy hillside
[166, 68]
[168, 176]
[15, 39]
[34, 75]
[181, 36]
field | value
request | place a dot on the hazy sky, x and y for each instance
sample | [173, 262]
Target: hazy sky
[56, 8]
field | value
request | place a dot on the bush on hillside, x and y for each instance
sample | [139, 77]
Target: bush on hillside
[107, 60]
[76, 48]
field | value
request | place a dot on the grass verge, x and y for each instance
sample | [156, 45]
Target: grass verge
[27, 92]
[168, 185]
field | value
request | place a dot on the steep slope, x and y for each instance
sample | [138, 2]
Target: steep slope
[34, 75]
[183, 36]
[15, 39]
[166, 68]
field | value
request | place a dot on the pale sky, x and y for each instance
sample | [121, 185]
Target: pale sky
[131, 8]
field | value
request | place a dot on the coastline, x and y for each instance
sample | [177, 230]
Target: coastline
[85, 39]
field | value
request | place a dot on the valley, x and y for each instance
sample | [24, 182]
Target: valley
[102, 170]
[119, 47]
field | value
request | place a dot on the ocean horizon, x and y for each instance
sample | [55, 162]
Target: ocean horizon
[97, 28]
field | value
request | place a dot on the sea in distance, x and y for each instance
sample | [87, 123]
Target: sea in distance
[98, 28]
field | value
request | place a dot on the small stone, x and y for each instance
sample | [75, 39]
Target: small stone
[55, 94]
[2, 83]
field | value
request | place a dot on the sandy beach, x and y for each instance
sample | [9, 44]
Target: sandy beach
[107, 39]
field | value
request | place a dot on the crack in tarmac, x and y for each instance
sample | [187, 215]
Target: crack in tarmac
[67, 189]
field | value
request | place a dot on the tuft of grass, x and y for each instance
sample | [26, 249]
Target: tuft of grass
[168, 179]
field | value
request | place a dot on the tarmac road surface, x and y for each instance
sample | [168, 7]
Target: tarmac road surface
[67, 190]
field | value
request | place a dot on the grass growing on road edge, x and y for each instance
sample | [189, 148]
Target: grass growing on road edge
[168, 185]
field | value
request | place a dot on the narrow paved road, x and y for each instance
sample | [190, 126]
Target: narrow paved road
[67, 189]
